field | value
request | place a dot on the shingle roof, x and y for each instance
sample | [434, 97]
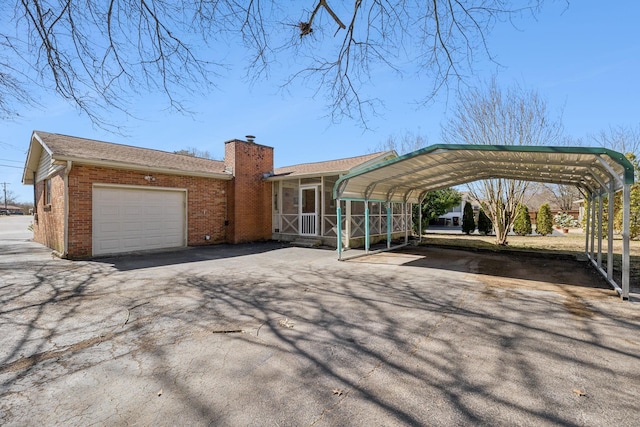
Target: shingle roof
[65, 147]
[331, 166]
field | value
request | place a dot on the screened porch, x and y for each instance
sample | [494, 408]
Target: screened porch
[305, 208]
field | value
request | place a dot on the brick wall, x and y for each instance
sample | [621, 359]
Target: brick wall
[249, 194]
[48, 227]
[206, 203]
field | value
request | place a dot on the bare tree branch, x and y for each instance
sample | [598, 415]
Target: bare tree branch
[100, 54]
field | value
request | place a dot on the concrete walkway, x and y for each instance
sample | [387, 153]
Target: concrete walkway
[267, 334]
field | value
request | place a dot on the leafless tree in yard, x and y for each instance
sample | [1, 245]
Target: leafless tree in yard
[101, 55]
[623, 139]
[403, 144]
[491, 116]
[564, 196]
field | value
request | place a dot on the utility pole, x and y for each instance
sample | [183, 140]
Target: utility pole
[4, 185]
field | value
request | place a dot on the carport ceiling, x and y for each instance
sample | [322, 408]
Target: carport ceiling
[405, 178]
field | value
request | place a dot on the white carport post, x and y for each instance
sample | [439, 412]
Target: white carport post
[588, 225]
[600, 218]
[389, 225]
[626, 222]
[407, 221]
[366, 226]
[347, 224]
[339, 228]
[610, 201]
[592, 251]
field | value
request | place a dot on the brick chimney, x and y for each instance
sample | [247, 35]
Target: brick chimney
[248, 195]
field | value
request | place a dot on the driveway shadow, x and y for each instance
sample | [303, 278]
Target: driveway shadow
[140, 260]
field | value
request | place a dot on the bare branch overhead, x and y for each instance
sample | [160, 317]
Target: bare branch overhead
[103, 55]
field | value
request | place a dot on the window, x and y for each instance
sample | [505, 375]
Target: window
[47, 191]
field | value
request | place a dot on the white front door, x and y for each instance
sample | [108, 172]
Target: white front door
[308, 217]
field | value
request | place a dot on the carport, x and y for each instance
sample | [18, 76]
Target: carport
[596, 172]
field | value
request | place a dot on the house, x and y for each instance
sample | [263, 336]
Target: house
[95, 198]
[453, 217]
[11, 210]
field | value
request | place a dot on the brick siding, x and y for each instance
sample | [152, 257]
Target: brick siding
[206, 203]
[249, 195]
[48, 224]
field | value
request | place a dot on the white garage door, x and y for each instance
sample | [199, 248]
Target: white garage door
[126, 219]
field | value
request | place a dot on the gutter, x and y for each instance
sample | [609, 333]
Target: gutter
[138, 167]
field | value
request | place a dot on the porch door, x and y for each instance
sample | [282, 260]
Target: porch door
[308, 211]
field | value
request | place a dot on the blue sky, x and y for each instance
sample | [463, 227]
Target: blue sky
[584, 60]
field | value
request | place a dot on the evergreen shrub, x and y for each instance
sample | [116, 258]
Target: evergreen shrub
[522, 223]
[468, 223]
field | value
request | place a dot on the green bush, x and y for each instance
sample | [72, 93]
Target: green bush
[468, 223]
[485, 226]
[544, 222]
[565, 220]
[522, 223]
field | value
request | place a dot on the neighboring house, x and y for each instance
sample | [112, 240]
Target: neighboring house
[453, 217]
[10, 210]
[303, 203]
[98, 198]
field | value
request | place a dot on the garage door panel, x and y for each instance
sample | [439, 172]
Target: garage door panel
[126, 219]
[109, 227]
[132, 210]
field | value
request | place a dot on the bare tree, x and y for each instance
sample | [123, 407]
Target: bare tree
[99, 55]
[194, 152]
[494, 117]
[564, 196]
[624, 139]
[402, 144]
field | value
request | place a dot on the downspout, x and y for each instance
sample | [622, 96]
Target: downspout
[65, 250]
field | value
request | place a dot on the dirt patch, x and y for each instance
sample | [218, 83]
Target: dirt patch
[574, 280]
[27, 362]
[578, 308]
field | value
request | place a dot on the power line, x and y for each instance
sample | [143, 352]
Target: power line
[10, 166]
[9, 160]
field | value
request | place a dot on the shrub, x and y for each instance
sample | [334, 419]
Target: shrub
[484, 223]
[468, 223]
[522, 223]
[544, 223]
[565, 220]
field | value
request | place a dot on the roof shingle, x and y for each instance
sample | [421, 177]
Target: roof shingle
[330, 166]
[65, 147]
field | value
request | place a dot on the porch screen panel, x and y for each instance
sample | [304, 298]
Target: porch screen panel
[376, 219]
[398, 219]
[290, 202]
[357, 219]
[328, 212]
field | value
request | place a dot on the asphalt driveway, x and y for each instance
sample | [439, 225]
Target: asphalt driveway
[267, 334]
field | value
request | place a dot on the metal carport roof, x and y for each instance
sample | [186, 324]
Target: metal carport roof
[404, 178]
[595, 171]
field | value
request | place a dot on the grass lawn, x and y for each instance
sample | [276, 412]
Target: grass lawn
[572, 242]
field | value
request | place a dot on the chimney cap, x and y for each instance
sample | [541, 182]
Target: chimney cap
[250, 138]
